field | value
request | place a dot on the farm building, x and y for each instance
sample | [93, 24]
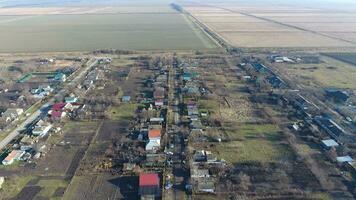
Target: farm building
[275, 81]
[344, 159]
[329, 126]
[149, 186]
[328, 144]
[13, 156]
[12, 114]
[41, 91]
[337, 95]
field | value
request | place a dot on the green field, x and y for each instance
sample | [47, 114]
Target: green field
[260, 143]
[138, 31]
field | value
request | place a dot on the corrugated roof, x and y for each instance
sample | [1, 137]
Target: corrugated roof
[149, 180]
[330, 143]
[12, 155]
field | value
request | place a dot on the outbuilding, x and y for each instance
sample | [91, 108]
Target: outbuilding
[13, 156]
[328, 144]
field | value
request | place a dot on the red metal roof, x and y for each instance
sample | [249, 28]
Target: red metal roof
[56, 114]
[58, 106]
[149, 180]
[154, 133]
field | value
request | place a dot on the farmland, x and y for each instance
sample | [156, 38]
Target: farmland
[269, 27]
[142, 98]
[85, 32]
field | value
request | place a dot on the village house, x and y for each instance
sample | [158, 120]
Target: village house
[57, 111]
[149, 186]
[12, 114]
[61, 77]
[154, 140]
[329, 143]
[41, 128]
[41, 91]
[15, 155]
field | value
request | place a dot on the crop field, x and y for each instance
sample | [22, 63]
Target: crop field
[345, 57]
[91, 31]
[263, 26]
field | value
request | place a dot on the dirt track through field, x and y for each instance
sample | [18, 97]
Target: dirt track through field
[290, 26]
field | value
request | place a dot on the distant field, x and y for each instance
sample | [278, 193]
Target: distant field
[264, 26]
[83, 32]
[345, 57]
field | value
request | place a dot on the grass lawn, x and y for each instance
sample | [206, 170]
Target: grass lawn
[250, 150]
[74, 186]
[251, 142]
[320, 195]
[123, 111]
[210, 105]
[253, 130]
[50, 186]
[13, 186]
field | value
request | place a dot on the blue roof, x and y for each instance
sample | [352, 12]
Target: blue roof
[70, 99]
[126, 98]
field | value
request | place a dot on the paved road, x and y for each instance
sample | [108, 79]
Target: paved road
[76, 80]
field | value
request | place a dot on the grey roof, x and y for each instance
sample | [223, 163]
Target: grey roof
[342, 159]
[330, 143]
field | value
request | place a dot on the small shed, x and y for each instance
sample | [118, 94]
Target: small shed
[126, 99]
[71, 99]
